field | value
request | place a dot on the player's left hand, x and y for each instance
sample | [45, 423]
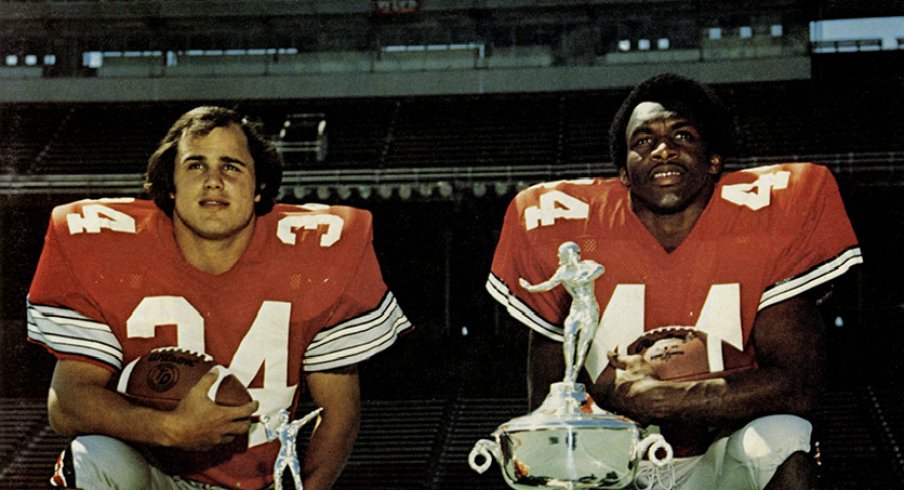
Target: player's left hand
[631, 367]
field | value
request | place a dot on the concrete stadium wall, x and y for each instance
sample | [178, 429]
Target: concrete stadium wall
[200, 82]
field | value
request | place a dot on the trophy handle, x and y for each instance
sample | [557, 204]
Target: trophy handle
[652, 444]
[486, 449]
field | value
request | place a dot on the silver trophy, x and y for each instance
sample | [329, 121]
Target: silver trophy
[287, 459]
[569, 442]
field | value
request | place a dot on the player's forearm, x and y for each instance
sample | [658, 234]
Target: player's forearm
[739, 398]
[329, 449]
[84, 408]
[80, 402]
[768, 391]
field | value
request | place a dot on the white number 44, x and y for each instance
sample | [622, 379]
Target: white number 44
[554, 205]
[757, 194]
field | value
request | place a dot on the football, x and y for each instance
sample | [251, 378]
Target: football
[163, 376]
[160, 379]
[685, 354]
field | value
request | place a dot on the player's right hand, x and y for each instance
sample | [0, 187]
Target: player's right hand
[198, 423]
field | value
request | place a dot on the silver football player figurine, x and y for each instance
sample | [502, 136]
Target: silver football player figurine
[287, 459]
[578, 278]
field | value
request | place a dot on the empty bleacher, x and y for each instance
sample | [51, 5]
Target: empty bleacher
[774, 119]
[28, 131]
[100, 139]
[585, 125]
[421, 441]
[771, 119]
[474, 131]
[424, 443]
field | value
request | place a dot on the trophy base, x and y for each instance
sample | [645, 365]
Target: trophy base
[568, 442]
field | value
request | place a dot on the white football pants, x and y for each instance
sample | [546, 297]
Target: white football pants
[100, 462]
[745, 460]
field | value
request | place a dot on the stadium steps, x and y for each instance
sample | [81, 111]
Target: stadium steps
[356, 130]
[854, 454]
[394, 445]
[424, 443]
[452, 131]
[471, 420]
[24, 435]
[28, 130]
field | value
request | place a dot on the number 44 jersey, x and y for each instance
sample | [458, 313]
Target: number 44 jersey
[768, 234]
[307, 294]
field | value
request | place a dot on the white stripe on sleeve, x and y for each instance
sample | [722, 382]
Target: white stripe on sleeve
[66, 331]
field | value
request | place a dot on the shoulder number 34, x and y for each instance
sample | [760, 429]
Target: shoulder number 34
[96, 216]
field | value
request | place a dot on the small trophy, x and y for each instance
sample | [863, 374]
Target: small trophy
[569, 442]
[287, 459]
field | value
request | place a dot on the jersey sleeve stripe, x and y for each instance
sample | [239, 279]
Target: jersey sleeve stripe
[68, 332]
[357, 339]
[358, 331]
[820, 274]
[76, 347]
[357, 354]
[520, 311]
[358, 325]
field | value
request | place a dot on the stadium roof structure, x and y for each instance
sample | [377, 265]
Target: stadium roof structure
[109, 51]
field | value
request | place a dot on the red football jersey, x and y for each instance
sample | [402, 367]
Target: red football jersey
[307, 294]
[768, 234]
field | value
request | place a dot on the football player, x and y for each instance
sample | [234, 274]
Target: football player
[735, 255]
[285, 296]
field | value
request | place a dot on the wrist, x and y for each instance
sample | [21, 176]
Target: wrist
[164, 429]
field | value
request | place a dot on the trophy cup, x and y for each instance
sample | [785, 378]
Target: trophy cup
[569, 442]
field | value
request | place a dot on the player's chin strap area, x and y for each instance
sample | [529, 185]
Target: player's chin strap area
[287, 432]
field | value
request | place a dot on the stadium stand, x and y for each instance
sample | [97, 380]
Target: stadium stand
[100, 139]
[424, 443]
[33, 129]
[419, 439]
[791, 119]
[426, 405]
[474, 131]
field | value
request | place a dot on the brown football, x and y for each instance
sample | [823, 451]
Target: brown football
[685, 353]
[160, 379]
[163, 376]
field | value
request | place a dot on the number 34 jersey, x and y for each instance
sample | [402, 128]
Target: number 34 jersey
[307, 294]
[768, 234]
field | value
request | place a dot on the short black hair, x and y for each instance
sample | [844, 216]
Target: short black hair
[201, 121]
[689, 98]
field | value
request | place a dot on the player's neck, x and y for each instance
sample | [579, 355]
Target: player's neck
[212, 255]
[669, 230]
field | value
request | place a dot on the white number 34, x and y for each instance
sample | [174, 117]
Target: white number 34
[97, 216]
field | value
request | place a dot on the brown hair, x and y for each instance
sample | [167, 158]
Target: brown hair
[201, 121]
